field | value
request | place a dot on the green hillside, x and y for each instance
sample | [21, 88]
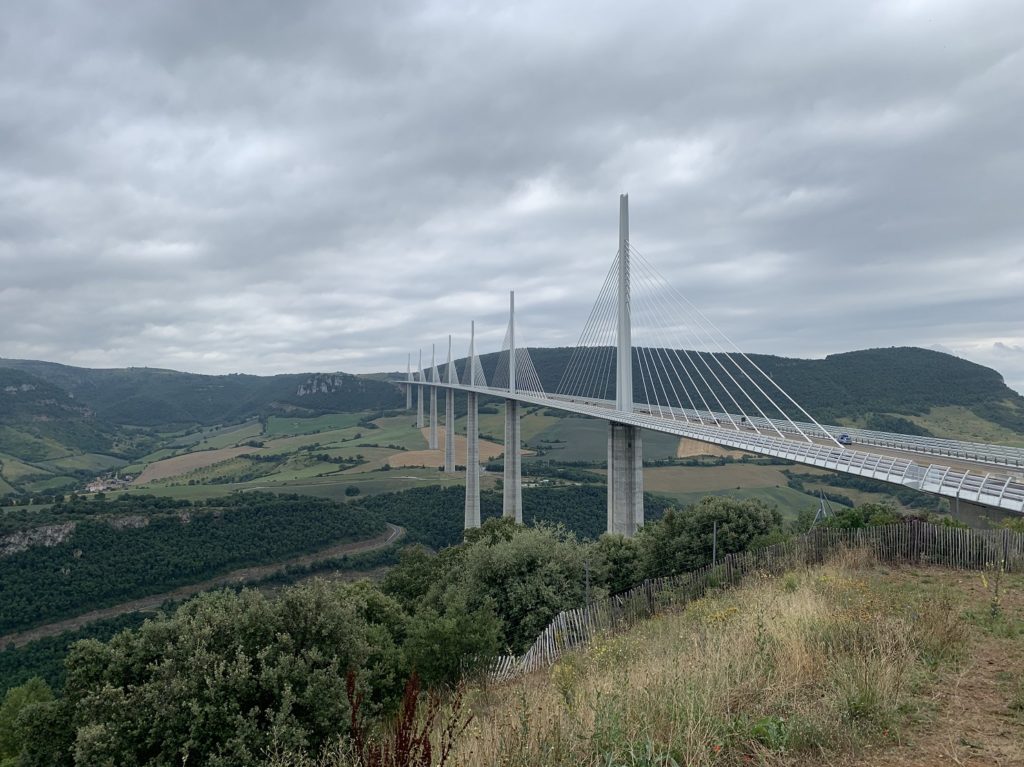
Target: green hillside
[155, 397]
[60, 425]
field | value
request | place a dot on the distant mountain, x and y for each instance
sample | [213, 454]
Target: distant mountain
[59, 423]
[158, 398]
[35, 415]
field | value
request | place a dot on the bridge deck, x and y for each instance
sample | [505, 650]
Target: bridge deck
[880, 456]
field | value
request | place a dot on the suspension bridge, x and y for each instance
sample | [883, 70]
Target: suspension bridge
[648, 358]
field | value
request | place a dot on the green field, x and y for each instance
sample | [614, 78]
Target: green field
[229, 436]
[30, 447]
[788, 501]
[50, 484]
[14, 470]
[586, 439]
[278, 426]
[86, 461]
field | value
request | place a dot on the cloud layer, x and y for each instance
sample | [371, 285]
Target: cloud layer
[270, 187]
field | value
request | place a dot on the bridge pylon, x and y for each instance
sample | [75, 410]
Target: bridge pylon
[472, 438]
[512, 480]
[625, 443]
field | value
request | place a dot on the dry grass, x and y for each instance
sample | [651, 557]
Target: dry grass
[768, 674]
[182, 464]
[844, 664]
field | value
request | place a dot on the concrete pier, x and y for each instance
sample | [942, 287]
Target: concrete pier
[625, 445]
[432, 440]
[449, 414]
[512, 500]
[472, 461]
[419, 394]
[408, 383]
[625, 479]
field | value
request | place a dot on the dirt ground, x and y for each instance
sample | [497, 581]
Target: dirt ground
[690, 448]
[182, 464]
[972, 724]
[488, 450]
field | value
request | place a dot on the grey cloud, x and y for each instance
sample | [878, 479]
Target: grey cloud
[273, 187]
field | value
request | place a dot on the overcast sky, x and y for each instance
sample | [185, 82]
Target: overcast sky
[276, 187]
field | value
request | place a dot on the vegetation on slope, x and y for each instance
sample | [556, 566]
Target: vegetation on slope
[112, 559]
[232, 674]
[824, 661]
[154, 397]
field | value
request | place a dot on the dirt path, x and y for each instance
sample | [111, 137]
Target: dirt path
[234, 577]
[972, 722]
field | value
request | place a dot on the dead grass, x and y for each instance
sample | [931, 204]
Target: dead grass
[849, 664]
[488, 450]
[182, 464]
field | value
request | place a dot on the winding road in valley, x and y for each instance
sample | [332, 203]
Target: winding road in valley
[233, 578]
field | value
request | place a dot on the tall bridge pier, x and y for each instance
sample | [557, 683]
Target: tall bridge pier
[449, 415]
[472, 440]
[432, 440]
[408, 382]
[419, 394]
[625, 445]
[512, 480]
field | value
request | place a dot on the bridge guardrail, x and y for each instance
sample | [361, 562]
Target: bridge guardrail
[1009, 494]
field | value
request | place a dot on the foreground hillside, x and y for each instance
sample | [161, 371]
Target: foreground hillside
[847, 664]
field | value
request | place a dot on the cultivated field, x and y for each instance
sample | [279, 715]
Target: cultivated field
[182, 464]
[488, 450]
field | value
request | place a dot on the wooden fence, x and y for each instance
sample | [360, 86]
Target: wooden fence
[914, 542]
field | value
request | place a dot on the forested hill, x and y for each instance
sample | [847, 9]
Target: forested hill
[898, 380]
[154, 397]
[34, 410]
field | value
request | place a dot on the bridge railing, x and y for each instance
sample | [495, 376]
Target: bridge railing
[1008, 491]
[914, 543]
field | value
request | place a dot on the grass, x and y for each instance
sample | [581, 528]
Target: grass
[15, 470]
[957, 422]
[586, 439]
[280, 426]
[229, 436]
[827, 660]
[51, 483]
[822, 665]
[86, 461]
[789, 502]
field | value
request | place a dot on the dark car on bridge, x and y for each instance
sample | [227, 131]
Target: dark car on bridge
[844, 439]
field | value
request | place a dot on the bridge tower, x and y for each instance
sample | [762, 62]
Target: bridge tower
[472, 438]
[408, 382]
[512, 502]
[449, 414]
[419, 394]
[625, 446]
[432, 441]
